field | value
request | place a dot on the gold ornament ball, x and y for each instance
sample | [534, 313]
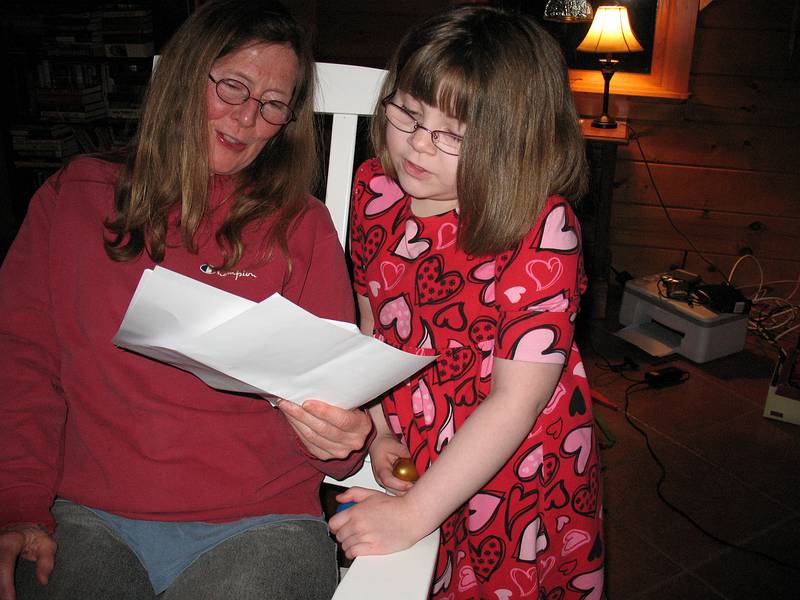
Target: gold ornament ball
[404, 469]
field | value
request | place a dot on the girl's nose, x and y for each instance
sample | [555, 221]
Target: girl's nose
[422, 141]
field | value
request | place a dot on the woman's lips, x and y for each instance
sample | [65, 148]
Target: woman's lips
[228, 143]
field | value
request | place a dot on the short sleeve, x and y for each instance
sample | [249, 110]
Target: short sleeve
[537, 289]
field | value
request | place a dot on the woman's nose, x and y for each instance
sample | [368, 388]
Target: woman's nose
[247, 113]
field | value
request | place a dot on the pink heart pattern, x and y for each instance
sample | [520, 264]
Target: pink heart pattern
[525, 533]
[534, 540]
[442, 582]
[579, 441]
[574, 539]
[537, 345]
[485, 273]
[422, 402]
[410, 246]
[526, 580]
[466, 579]
[557, 303]
[557, 235]
[589, 582]
[561, 522]
[391, 274]
[446, 432]
[397, 313]
[514, 294]
[482, 509]
[446, 236]
[388, 193]
[544, 273]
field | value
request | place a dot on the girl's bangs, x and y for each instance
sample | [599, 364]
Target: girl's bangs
[438, 83]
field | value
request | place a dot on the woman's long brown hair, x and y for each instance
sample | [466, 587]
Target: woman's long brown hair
[166, 165]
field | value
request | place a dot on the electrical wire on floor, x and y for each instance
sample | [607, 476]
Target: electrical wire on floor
[619, 368]
[663, 476]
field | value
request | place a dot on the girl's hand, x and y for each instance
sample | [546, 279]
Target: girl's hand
[383, 452]
[377, 524]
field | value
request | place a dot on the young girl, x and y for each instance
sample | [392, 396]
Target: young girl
[465, 246]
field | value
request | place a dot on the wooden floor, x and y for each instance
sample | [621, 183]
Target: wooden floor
[732, 471]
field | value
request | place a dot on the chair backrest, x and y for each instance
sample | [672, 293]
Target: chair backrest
[346, 92]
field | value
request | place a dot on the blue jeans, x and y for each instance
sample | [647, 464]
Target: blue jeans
[290, 560]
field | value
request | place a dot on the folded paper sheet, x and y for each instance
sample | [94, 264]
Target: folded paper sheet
[271, 348]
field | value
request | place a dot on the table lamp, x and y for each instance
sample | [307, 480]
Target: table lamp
[609, 34]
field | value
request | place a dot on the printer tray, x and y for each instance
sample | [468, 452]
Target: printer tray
[651, 337]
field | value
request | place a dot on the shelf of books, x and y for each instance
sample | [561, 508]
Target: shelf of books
[83, 69]
[74, 78]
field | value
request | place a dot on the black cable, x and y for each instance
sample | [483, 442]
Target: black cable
[618, 368]
[666, 212]
[673, 289]
[628, 391]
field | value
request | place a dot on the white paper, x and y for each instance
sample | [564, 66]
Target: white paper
[272, 348]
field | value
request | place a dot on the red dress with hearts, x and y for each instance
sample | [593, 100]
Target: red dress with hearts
[535, 530]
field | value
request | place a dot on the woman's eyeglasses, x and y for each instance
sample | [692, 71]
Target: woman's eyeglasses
[235, 92]
[404, 121]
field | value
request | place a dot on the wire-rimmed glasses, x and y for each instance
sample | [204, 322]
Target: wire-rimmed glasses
[235, 92]
[404, 121]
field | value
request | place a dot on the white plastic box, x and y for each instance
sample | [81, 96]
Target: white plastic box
[783, 395]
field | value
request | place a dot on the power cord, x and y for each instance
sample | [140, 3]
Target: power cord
[714, 267]
[659, 378]
[773, 317]
[675, 376]
[620, 369]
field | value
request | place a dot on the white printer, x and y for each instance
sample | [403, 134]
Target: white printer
[661, 326]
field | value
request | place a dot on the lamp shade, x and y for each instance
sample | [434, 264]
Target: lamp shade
[610, 32]
[568, 11]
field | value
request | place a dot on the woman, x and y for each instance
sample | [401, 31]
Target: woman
[161, 484]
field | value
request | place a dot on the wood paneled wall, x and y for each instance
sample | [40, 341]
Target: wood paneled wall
[726, 162]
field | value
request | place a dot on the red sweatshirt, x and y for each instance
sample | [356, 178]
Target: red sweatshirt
[87, 421]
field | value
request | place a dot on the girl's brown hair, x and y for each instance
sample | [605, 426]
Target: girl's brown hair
[166, 165]
[505, 78]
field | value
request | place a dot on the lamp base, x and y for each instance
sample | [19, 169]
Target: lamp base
[604, 122]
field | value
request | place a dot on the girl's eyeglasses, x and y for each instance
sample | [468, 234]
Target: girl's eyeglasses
[235, 92]
[404, 121]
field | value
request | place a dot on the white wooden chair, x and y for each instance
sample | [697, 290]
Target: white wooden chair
[348, 92]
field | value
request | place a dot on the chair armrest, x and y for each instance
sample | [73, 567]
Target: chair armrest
[404, 575]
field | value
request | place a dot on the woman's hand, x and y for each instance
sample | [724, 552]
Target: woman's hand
[383, 452]
[30, 542]
[327, 431]
[377, 524]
